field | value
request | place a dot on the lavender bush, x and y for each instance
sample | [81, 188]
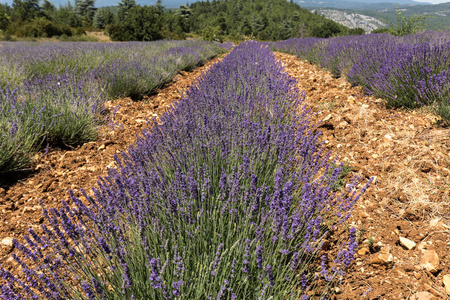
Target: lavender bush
[29, 60]
[59, 89]
[21, 128]
[406, 71]
[227, 196]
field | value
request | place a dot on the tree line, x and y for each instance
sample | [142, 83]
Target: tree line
[211, 20]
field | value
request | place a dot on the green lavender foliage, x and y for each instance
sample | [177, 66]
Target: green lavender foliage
[227, 196]
[54, 93]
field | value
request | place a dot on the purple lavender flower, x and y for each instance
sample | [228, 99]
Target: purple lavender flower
[223, 188]
[88, 290]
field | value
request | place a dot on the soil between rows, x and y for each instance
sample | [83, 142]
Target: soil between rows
[403, 150]
[407, 154]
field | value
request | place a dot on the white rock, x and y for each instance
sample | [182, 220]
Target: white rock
[28, 209]
[434, 222]
[430, 261]
[407, 243]
[7, 241]
[423, 296]
[446, 281]
[327, 118]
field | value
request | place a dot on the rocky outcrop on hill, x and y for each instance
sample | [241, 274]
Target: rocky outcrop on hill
[352, 20]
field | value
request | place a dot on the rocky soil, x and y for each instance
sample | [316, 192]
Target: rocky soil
[402, 220]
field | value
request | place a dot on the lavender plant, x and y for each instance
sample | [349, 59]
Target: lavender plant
[30, 60]
[227, 196]
[408, 71]
[20, 131]
[67, 84]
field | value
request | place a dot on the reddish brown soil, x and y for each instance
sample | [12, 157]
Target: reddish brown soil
[408, 155]
[404, 150]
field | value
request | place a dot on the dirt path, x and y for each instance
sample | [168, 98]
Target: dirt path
[99, 35]
[409, 158]
[404, 151]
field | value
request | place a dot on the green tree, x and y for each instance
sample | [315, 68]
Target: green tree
[85, 9]
[407, 25]
[124, 7]
[102, 18]
[141, 23]
[173, 27]
[48, 9]
[184, 12]
[25, 10]
[159, 7]
[246, 28]
[5, 16]
[65, 15]
[257, 25]
[264, 19]
[326, 30]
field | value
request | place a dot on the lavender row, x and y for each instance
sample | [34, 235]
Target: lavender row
[227, 196]
[406, 71]
[54, 93]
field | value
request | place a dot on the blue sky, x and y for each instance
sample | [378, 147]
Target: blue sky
[433, 1]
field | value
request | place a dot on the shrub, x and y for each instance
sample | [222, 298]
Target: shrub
[80, 31]
[407, 25]
[21, 131]
[45, 110]
[77, 38]
[139, 24]
[38, 28]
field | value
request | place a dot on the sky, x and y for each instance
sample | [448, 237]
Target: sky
[433, 1]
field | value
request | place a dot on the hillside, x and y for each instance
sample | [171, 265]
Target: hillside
[438, 14]
[360, 5]
[351, 19]
[348, 12]
[261, 19]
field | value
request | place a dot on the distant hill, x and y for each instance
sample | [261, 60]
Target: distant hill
[439, 14]
[358, 5]
[352, 19]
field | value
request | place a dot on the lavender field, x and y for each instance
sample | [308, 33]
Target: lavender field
[409, 71]
[53, 93]
[228, 196]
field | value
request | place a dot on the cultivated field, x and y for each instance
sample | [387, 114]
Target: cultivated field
[53, 93]
[409, 71]
[243, 188]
